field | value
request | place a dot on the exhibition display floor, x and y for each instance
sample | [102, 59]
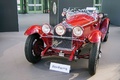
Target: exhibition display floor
[14, 66]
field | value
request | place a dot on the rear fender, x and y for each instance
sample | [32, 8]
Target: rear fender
[33, 29]
[95, 36]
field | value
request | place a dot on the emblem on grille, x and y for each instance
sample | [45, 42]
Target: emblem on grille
[56, 43]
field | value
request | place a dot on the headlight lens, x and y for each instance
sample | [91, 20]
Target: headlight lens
[77, 31]
[46, 28]
[60, 30]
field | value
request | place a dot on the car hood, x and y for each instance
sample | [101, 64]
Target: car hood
[80, 20]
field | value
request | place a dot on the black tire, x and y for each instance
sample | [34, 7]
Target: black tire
[94, 57]
[106, 36]
[33, 48]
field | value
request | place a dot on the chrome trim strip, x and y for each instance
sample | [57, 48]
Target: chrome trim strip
[68, 38]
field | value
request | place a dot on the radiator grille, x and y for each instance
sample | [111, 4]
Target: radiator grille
[64, 41]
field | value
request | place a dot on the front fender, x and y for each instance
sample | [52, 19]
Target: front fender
[95, 36]
[104, 27]
[33, 29]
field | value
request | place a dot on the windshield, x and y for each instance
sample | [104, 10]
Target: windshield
[73, 11]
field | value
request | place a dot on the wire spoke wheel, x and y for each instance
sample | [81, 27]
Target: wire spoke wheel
[33, 48]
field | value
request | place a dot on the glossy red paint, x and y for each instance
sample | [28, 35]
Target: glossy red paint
[45, 50]
[37, 29]
[93, 31]
[34, 29]
[104, 27]
[80, 20]
[89, 25]
[95, 36]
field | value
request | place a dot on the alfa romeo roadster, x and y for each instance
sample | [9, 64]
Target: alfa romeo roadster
[79, 35]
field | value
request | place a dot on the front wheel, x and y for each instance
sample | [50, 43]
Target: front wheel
[94, 57]
[106, 36]
[33, 48]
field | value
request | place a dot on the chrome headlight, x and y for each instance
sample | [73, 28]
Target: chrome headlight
[77, 31]
[46, 28]
[60, 30]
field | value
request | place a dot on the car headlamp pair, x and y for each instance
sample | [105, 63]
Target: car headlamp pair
[60, 30]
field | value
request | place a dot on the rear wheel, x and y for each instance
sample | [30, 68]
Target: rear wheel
[94, 57]
[33, 48]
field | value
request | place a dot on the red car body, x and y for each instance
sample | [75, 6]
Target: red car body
[94, 31]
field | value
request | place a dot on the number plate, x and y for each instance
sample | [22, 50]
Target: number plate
[61, 54]
[60, 67]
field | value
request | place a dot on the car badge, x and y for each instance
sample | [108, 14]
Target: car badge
[56, 43]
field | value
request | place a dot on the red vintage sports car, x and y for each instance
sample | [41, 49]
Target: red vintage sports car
[79, 35]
